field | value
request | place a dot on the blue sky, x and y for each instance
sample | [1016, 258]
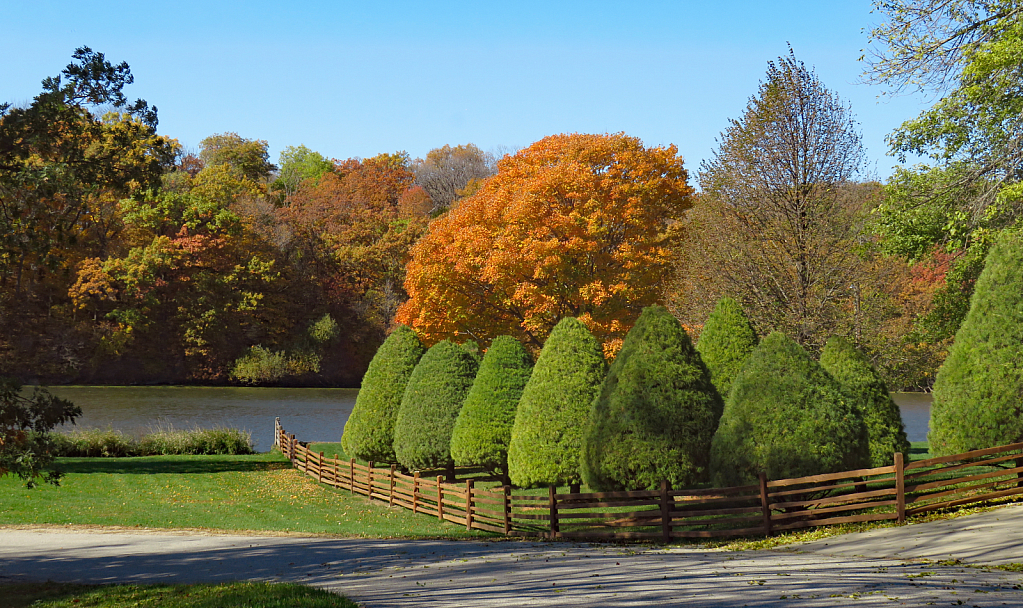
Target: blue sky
[356, 79]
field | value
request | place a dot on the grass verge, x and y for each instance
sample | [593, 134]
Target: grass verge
[225, 595]
[259, 492]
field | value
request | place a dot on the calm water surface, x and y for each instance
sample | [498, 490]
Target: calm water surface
[312, 414]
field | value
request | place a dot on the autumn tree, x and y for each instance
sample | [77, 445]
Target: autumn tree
[66, 159]
[773, 227]
[248, 157]
[448, 174]
[572, 226]
[297, 164]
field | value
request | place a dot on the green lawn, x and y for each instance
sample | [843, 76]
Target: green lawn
[227, 595]
[259, 492]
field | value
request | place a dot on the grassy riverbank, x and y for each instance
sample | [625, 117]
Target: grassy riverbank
[259, 492]
[227, 595]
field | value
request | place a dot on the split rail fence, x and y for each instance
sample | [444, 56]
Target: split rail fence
[884, 493]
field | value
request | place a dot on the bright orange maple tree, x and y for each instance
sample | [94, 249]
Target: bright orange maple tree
[575, 225]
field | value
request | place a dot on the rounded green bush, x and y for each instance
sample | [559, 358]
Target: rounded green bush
[483, 428]
[432, 400]
[786, 416]
[656, 413]
[546, 438]
[979, 388]
[369, 432]
[725, 343]
[886, 432]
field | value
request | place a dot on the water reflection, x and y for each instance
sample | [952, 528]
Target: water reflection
[916, 413]
[311, 413]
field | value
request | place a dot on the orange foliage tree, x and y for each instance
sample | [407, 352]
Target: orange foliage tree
[573, 226]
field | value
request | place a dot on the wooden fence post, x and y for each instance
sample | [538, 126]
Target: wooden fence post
[337, 473]
[468, 504]
[666, 506]
[554, 512]
[319, 468]
[415, 492]
[507, 510]
[351, 476]
[369, 480]
[765, 505]
[900, 487]
[292, 445]
[390, 492]
[440, 497]
[277, 432]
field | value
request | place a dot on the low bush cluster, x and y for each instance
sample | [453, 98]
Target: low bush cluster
[94, 443]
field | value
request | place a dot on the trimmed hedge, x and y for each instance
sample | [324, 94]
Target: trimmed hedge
[885, 430]
[725, 343]
[788, 417]
[656, 413]
[432, 400]
[369, 432]
[546, 438]
[979, 388]
[484, 426]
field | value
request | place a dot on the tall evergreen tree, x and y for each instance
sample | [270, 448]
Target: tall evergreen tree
[786, 416]
[483, 429]
[546, 438]
[369, 432]
[430, 406]
[725, 343]
[885, 430]
[656, 413]
[978, 389]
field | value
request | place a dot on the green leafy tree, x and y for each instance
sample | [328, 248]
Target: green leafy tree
[433, 398]
[786, 416]
[725, 343]
[977, 391]
[546, 439]
[867, 390]
[968, 53]
[369, 432]
[26, 449]
[484, 426]
[656, 413]
[298, 164]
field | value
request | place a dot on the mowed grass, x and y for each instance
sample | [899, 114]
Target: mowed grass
[259, 492]
[225, 595]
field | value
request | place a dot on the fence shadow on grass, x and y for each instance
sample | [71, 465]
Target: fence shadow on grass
[149, 465]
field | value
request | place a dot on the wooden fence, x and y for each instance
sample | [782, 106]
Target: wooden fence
[883, 493]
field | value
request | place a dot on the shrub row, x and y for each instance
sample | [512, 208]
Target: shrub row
[108, 442]
[658, 413]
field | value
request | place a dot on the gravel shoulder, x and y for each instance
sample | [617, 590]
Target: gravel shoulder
[381, 573]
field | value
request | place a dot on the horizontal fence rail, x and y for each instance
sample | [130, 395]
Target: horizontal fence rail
[864, 495]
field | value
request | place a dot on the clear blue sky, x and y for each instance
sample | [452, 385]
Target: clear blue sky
[360, 78]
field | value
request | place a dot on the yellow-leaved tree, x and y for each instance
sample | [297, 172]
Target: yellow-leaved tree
[575, 225]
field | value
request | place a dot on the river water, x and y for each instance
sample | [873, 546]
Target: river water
[312, 414]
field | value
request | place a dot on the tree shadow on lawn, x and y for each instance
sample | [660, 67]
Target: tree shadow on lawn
[170, 465]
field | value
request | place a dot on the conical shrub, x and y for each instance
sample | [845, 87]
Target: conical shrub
[547, 438]
[886, 432]
[484, 426]
[430, 406]
[979, 389]
[656, 413]
[786, 416]
[725, 343]
[369, 431]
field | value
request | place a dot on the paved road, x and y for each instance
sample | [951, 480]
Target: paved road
[383, 573]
